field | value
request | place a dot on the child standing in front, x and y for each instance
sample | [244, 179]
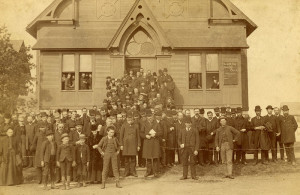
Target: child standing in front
[82, 158]
[65, 160]
[109, 148]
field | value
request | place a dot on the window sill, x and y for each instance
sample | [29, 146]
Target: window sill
[196, 90]
[213, 89]
[68, 90]
[87, 90]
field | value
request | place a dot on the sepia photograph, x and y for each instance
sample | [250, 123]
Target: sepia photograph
[149, 97]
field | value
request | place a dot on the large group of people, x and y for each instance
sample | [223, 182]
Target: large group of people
[138, 124]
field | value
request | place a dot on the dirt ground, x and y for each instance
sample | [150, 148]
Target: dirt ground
[276, 178]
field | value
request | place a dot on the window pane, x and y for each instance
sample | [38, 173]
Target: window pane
[68, 63]
[85, 81]
[195, 63]
[212, 62]
[212, 81]
[68, 81]
[195, 81]
[85, 63]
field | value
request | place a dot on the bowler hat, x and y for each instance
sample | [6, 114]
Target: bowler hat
[257, 108]
[64, 135]
[78, 122]
[239, 110]
[165, 70]
[216, 109]
[269, 107]
[49, 133]
[202, 111]
[233, 110]
[43, 114]
[285, 108]
[223, 117]
[223, 109]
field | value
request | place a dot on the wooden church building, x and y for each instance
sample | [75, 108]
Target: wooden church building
[200, 42]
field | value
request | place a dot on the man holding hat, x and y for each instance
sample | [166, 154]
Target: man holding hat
[261, 137]
[151, 132]
[188, 141]
[289, 127]
[48, 157]
[82, 159]
[225, 137]
[273, 128]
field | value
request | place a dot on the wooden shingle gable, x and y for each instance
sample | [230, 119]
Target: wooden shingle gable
[139, 16]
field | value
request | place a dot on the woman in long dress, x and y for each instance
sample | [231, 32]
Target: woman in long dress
[10, 160]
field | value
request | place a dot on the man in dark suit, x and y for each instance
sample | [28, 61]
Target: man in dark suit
[279, 118]
[225, 137]
[272, 125]
[188, 140]
[261, 137]
[48, 157]
[31, 130]
[212, 125]
[289, 127]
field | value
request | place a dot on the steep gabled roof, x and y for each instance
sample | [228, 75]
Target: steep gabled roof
[250, 25]
[46, 15]
[140, 7]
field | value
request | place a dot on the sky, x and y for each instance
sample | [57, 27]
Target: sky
[273, 56]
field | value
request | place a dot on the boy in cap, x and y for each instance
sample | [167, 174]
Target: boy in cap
[82, 159]
[65, 160]
[48, 156]
[109, 148]
[188, 141]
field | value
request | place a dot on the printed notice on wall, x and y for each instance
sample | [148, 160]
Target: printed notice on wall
[230, 73]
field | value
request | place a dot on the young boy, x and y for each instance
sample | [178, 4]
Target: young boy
[65, 160]
[109, 148]
[48, 154]
[82, 159]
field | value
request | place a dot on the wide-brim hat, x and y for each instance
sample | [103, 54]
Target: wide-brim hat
[285, 108]
[257, 108]
[49, 133]
[269, 107]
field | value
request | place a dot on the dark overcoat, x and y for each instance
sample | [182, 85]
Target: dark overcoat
[289, 127]
[130, 139]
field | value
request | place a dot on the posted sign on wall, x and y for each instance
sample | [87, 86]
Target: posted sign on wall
[230, 73]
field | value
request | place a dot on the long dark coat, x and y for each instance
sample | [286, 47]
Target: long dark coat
[211, 127]
[261, 137]
[11, 165]
[151, 148]
[171, 135]
[239, 124]
[95, 155]
[200, 125]
[38, 140]
[130, 139]
[289, 127]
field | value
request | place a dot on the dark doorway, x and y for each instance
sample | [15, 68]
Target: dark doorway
[133, 64]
